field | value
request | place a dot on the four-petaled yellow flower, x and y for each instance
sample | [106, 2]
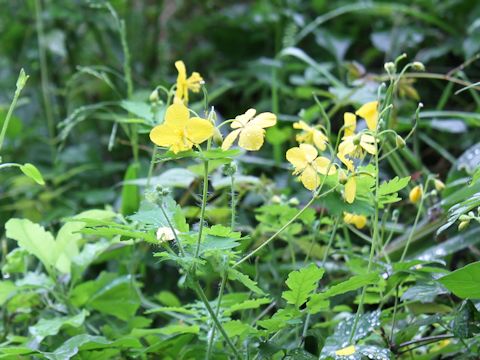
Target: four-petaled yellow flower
[184, 84]
[309, 165]
[359, 221]
[311, 135]
[250, 130]
[180, 132]
[369, 112]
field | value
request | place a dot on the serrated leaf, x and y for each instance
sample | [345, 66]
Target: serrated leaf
[245, 280]
[302, 283]
[393, 186]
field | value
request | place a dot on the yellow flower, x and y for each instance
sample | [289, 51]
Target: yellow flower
[194, 82]
[350, 190]
[309, 165]
[180, 132]
[415, 194]
[250, 130]
[369, 112]
[359, 221]
[346, 351]
[311, 135]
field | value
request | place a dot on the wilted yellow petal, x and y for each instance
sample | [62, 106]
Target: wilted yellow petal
[309, 178]
[297, 158]
[251, 138]
[164, 135]
[350, 123]
[177, 115]
[198, 130]
[346, 351]
[350, 190]
[369, 112]
[264, 120]
[227, 143]
[415, 194]
[322, 165]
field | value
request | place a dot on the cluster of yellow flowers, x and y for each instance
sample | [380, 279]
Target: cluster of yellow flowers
[181, 132]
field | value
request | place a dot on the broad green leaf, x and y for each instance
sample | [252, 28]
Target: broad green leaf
[464, 282]
[467, 321]
[302, 283]
[33, 173]
[7, 288]
[48, 327]
[237, 328]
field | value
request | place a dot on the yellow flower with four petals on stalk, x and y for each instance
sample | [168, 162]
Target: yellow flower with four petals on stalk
[354, 145]
[359, 221]
[250, 130]
[311, 135]
[308, 165]
[184, 84]
[369, 112]
[180, 132]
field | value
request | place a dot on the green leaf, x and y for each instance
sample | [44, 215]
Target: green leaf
[302, 283]
[464, 282]
[130, 193]
[248, 304]
[393, 186]
[48, 327]
[245, 280]
[33, 173]
[466, 321]
[7, 288]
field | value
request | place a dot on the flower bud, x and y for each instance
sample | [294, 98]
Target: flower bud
[418, 66]
[439, 185]
[400, 142]
[276, 199]
[154, 96]
[463, 225]
[415, 194]
[342, 177]
[294, 201]
[395, 215]
[464, 218]
[390, 68]
[230, 169]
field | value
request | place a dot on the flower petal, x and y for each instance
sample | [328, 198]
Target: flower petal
[177, 115]
[309, 151]
[350, 190]
[242, 120]
[369, 112]
[297, 158]
[164, 135]
[350, 123]
[251, 138]
[301, 125]
[368, 143]
[347, 162]
[310, 178]
[322, 165]
[227, 143]
[197, 130]
[264, 120]
[320, 140]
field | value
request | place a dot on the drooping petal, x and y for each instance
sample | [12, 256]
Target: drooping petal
[350, 123]
[177, 115]
[350, 190]
[324, 166]
[182, 70]
[297, 158]
[301, 125]
[182, 89]
[310, 178]
[198, 130]
[227, 143]
[347, 146]
[264, 120]
[251, 138]
[320, 140]
[368, 143]
[369, 112]
[242, 120]
[164, 135]
[194, 82]
[309, 151]
[359, 221]
[346, 161]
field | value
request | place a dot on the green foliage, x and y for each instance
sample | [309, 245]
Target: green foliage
[302, 283]
[463, 282]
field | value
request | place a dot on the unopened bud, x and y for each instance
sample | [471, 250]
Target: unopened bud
[418, 66]
[217, 136]
[464, 218]
[400, 142]
[154, 96]
[230, 169]
[276, 199]
[342, 177]
[439, 185]
[463, 225]
[390, 68]
[294, 201]
[415, 194]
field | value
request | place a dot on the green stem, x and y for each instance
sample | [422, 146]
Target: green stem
[220, 328]
[204, 206]
[44, 74]
[232, 202]
[217, 311]
[22, 79]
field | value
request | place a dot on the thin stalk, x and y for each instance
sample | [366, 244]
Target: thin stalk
[220, 328]
[22, 79]
[232, 202]
[204, 206]
[217, 311]
[44, 74]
